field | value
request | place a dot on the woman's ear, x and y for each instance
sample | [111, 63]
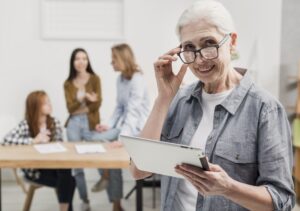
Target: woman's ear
[233, 41]
[233, 44]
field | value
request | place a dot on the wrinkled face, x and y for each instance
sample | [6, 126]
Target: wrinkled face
[81, 62]
[115, 62]
[46, 108]
[198, 35]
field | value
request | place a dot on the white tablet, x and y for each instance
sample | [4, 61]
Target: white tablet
[162, 157]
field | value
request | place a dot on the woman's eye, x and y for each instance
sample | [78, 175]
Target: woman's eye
[210, 42]
[189, 47]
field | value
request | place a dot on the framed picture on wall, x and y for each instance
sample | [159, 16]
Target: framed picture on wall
[82, 19]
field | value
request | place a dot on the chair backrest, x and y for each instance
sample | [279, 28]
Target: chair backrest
[7, 122]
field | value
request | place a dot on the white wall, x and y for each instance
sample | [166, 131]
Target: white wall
[259, 29]
[290, 51]
[28, 63]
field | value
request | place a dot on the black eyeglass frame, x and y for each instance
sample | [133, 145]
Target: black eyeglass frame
[217, 46]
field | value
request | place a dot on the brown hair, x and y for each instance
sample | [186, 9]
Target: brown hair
[34, 104]
[125, 56]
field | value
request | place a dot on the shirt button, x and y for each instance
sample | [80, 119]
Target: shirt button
[237, 156]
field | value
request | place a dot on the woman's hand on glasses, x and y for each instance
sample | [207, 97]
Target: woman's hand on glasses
[167, 82]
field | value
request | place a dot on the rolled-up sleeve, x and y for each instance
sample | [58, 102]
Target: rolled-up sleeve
[275, 157]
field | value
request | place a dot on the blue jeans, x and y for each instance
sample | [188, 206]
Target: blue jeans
[78, 130]
[115, 181]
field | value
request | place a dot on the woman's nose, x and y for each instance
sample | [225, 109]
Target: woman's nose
[199, 58]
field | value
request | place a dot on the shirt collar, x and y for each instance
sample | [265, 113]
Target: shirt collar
[235, 98]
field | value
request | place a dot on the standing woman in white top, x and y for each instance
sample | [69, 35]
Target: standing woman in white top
[83, 99]
[129, 116]
[243, 131]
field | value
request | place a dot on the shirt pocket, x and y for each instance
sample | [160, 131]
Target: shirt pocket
[238, 159]
[172, 133]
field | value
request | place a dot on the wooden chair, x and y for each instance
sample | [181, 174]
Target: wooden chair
[29, 196]
[7, 122]
[30, 193]
[19, 181]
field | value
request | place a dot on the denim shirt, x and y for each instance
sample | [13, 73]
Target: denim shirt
[250, 140]
[133, 105]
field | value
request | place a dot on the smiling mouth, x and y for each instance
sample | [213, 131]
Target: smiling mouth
[206, 70]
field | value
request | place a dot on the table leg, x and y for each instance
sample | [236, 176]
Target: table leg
[139, 195]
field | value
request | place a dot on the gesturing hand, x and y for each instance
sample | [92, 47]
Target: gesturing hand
[42, 137]
[101, 128]
[92, 97]
[115, 144]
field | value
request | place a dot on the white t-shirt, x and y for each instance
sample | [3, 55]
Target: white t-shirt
[186, 195]
[80, 95]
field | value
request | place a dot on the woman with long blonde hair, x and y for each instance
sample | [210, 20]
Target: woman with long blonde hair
[129, 116]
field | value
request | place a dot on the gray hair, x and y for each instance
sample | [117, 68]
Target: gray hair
[212, 12]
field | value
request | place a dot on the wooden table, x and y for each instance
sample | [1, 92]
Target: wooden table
[28, 157]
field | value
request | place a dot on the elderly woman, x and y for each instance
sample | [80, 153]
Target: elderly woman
[243, 130]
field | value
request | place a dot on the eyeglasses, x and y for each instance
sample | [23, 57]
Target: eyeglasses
[207, 53]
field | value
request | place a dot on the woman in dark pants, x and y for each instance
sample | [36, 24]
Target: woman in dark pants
[60, 179]
[37, 128]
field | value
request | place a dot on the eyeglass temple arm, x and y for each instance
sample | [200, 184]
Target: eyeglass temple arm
[225, 39]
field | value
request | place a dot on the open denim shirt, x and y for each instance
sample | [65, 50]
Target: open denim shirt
[250, 140]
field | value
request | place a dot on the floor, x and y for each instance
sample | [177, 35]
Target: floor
[45, 199]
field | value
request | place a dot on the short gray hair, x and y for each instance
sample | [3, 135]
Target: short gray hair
[212, 12]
